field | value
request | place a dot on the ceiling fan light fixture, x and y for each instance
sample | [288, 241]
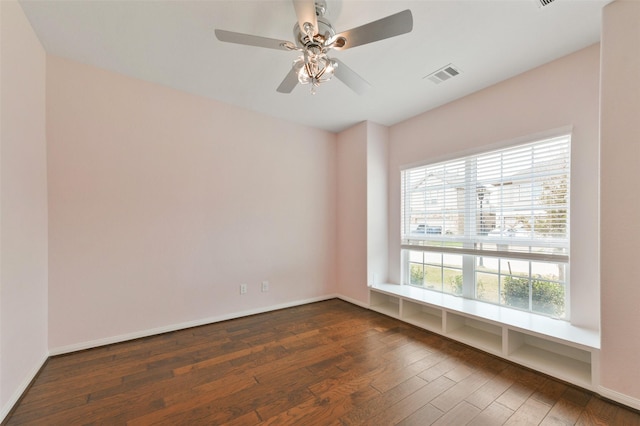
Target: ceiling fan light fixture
[314, 69]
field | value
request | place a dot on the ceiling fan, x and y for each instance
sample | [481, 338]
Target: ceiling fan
[315, 37]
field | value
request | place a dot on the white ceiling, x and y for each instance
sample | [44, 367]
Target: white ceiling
[173, 43]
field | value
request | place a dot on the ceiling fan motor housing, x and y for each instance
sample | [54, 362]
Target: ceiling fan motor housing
[323, 33]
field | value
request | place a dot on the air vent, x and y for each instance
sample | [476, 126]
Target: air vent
[543, 3]
[444, 73]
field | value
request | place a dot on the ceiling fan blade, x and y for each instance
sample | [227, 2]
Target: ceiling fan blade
[306, 13]
[391, 26]
[251, 40]
[350, 78]
[289, 83]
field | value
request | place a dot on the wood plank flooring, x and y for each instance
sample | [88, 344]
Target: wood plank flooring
[324, 363]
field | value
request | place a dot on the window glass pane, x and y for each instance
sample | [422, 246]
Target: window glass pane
[488, 287]
[488, 264]
[416, 273]
[452, 273]
[515, 291]
[514, 267]
[452, 281]
[434, 278]
[454, 260]
[433, 258]
[548, 271]
[548, 298]
[416, 256]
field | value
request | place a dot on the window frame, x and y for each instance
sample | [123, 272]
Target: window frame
[469, 250]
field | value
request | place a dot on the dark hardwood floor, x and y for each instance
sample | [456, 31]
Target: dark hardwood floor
[318, 364]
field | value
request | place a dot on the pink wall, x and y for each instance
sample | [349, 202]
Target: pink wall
[561, 93]
[377, 203]
[162, 203]
[620, 205]
[352, 213]
[23, 206]
[362, 209]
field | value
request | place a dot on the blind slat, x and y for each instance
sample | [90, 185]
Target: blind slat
[516, 200]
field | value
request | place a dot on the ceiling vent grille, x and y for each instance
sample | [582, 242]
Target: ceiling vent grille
[543, 3]
[444, 73]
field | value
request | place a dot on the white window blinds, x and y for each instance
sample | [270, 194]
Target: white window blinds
[509, 202]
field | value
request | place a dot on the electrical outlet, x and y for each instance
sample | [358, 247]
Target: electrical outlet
[265, 286]
[243, 289]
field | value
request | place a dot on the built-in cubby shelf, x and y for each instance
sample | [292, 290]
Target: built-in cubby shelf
[480, 334]
[385, 304]
[552, 346]
[422, 315]
[558, 359]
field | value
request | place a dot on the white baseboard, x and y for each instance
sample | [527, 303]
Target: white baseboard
[173, 327]
[17, 394]
[353, 301]
[619, 397]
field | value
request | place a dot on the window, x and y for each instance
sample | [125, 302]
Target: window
[492, 226]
